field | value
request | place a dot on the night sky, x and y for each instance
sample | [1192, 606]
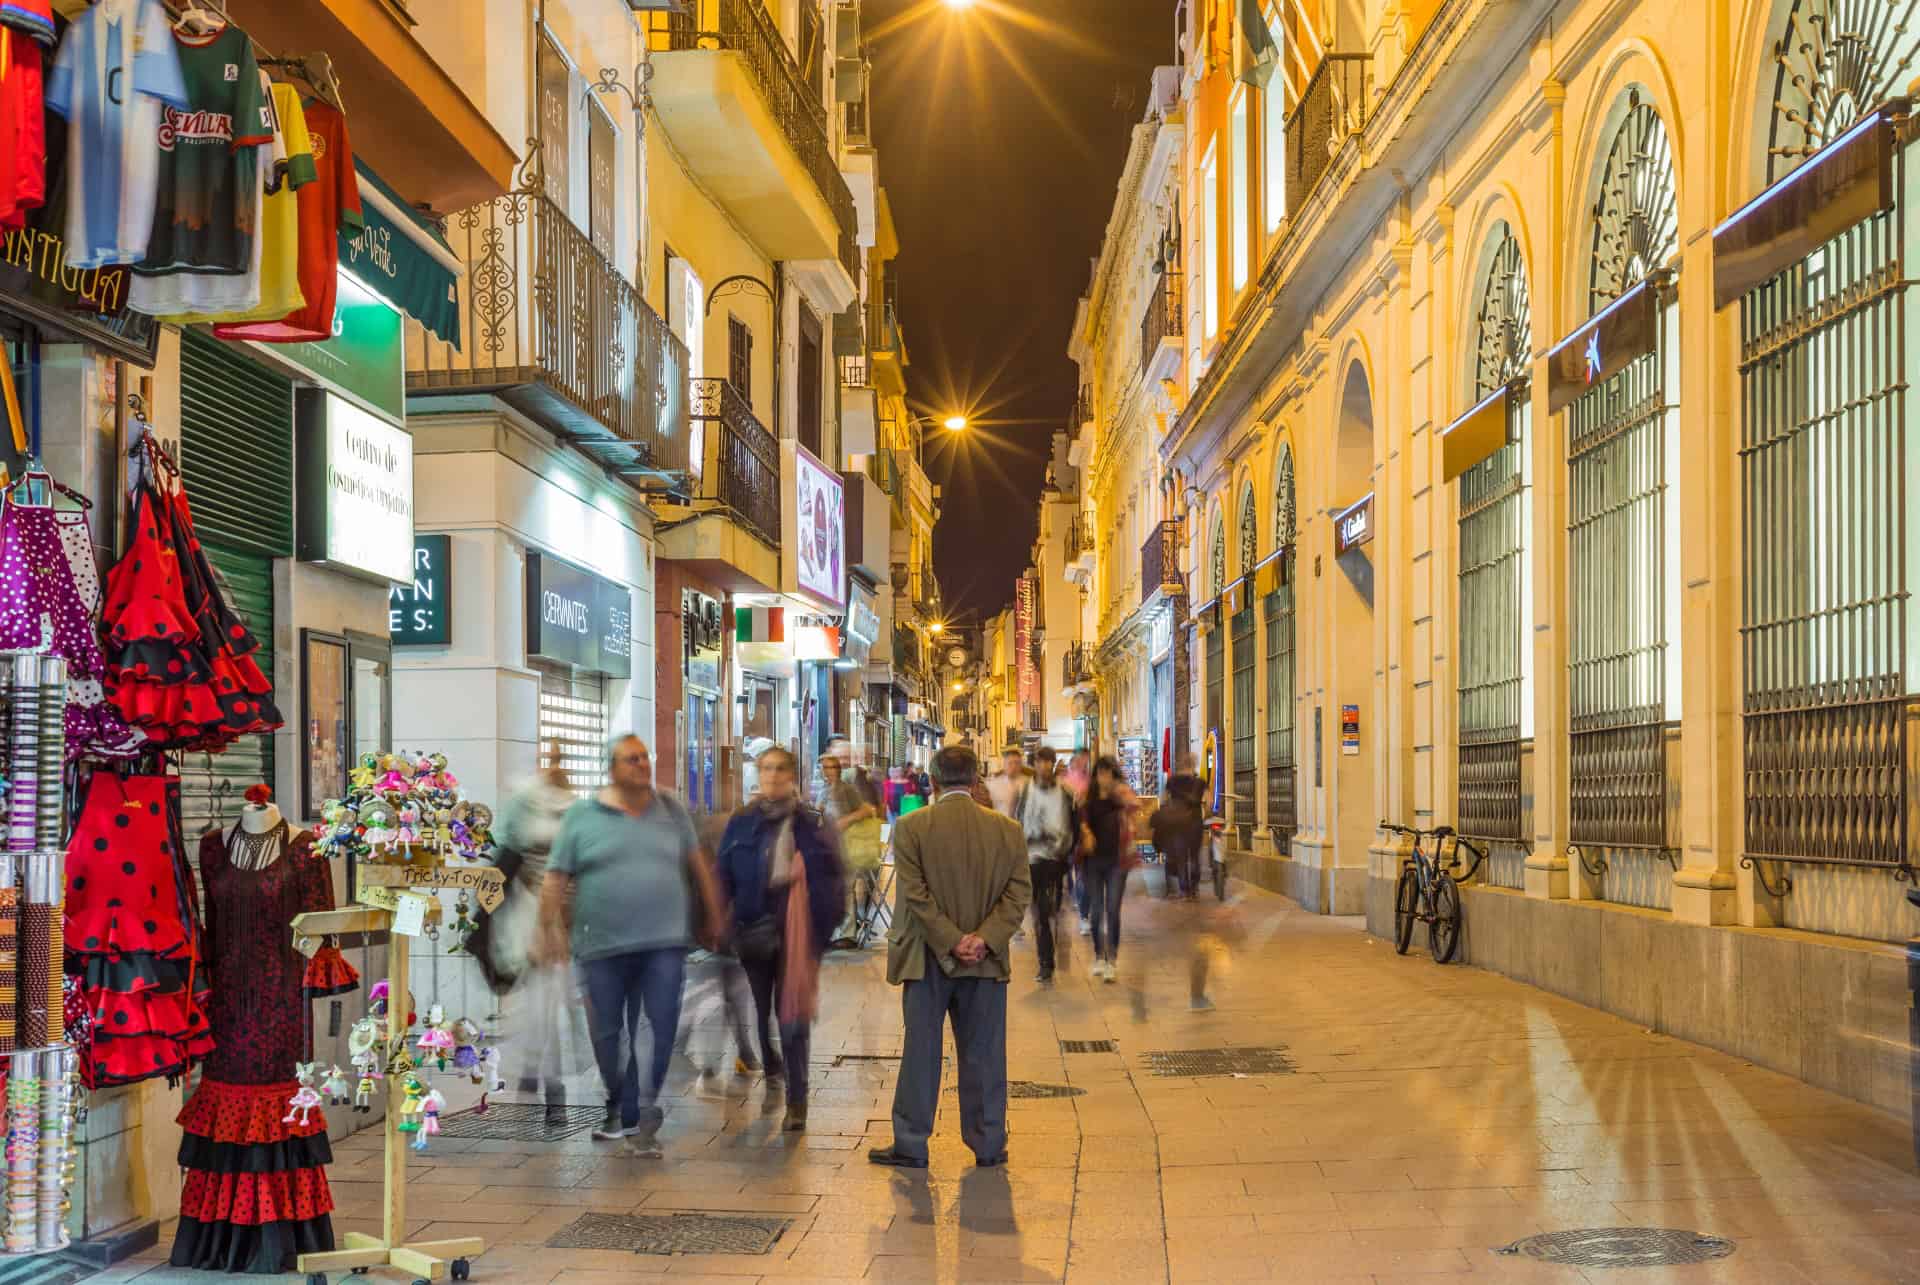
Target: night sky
[1001, 130]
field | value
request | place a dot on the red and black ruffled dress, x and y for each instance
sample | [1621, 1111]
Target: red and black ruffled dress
[256, 1187]
[180, 663]
[130, 933]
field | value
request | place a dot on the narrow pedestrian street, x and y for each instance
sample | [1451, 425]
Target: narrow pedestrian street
[1405, 1121]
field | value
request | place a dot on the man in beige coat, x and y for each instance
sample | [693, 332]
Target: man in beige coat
[961, 888]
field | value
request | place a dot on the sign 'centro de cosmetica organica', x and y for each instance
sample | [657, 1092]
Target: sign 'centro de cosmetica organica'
[361, 518]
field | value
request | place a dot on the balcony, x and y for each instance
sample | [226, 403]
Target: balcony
[1160, 564]
[739, 110]
[886, 350]
[859, 407]
[729, 527]
[1333, 109]
[1160, 330]
[556, 331]
[1080, 548]
[1076, 669]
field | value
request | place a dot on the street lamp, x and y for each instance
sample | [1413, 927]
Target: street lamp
[959, 4]
[935, 627]
[955, 423]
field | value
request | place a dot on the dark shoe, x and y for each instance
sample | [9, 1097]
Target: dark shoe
[610, 1128]
[991, 1162]
[796, 1121]
[895, 1159]
[1044, 979]
[556, 1116]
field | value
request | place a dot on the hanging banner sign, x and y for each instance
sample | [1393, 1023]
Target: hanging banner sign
[1627, 328]
[1025, 606]
[1847, 181]
[1353, 525]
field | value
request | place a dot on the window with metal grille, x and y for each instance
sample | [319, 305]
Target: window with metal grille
[573, 726]
[1622, 550]
[1279, 626]
[1827, 614]
[600, 184]
[555, 77]
[1495, 589]
[1245, 732]
[1216, 668]
[740, 358]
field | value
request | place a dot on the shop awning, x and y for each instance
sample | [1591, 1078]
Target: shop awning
[403, 258]
[1271, 572]
[1603, 345]
[1475, 435]
[1845, 182]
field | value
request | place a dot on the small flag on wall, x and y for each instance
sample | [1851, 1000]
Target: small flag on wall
[760, 624]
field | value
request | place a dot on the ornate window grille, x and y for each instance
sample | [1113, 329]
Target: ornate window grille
[1495, 512]
[1281, 813]
[1623, 575]
[1826, 613]
[1216, 641]
[1246, 733]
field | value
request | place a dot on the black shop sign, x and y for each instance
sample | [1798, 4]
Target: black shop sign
[576, 618]
[421, 614]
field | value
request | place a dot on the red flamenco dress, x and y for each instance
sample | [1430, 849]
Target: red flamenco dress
[180, 663]
[130, 933]
[256, 1185]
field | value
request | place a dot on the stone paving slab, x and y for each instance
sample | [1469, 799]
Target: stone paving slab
[1432, 1114]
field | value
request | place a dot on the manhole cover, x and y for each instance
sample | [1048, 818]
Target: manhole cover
[1621, 1247]
[1203, 1062]
[1087, 1046]
[672, 1233]
[520, 1122]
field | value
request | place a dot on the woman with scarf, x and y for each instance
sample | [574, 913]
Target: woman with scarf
[771, 849]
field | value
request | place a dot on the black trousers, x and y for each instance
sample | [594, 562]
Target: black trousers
[1047, 876]
[977, 1007]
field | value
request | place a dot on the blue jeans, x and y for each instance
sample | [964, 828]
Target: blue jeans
[796, 1038]
[620, 988]
[1105, 882]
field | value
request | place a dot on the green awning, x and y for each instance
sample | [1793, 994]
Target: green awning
[403, 258]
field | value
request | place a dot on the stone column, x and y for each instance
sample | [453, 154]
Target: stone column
[1548, 873]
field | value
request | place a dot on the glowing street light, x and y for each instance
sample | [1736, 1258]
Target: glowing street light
[935, 627]
[955, 423]
[959, 4]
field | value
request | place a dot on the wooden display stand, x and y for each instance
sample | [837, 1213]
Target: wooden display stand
[428, 1260]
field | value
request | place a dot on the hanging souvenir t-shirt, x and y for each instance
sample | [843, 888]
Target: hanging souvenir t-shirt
[116, 71]
[327, 205]
[23, 129]
[207, 210]
[35, 17]
[277, 248]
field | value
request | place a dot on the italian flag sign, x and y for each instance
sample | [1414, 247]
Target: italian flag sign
[760, 624]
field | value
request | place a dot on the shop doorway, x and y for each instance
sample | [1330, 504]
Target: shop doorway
[1356, 726]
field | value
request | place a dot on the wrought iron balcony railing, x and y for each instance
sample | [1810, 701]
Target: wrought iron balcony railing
[1161, 320]
[1076, 667]
[553, 327]
[1080, 535]
[742, 473]
[1333, 107]
[745, 27]
[1160, 562]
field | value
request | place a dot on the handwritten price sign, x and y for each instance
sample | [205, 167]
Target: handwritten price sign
[488, 885]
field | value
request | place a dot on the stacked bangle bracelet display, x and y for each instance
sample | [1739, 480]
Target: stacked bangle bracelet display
[43, 1094]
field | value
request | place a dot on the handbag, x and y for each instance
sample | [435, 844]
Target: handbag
[758, 942]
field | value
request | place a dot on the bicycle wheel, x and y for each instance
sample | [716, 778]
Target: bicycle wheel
[1443, 934]
[1406, 906]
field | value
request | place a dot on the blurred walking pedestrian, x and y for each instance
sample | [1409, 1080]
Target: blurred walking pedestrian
[723, 971]
[1050, 822]
[779, 866]
[544, 1025]
[1176, 828]
[1107, 848]
[1006, 784]
[855, 815]
[962, 887]
[622, 891]
[1078, 776]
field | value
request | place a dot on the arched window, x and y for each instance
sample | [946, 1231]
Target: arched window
[1623, 580]
[1277, 608]
[1833, 61]
[1495, 587]
[1217, 570]
[1249, 532]
[1246, 731]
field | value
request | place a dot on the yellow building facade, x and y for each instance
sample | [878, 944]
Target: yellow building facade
[1540, 468]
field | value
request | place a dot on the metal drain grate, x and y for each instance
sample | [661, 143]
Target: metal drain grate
[1620, 1247]
[672, 1233]
[1030, 1089]
[519, 1122]
[1204, 1062]
[843, 1059]
[1088, 1046]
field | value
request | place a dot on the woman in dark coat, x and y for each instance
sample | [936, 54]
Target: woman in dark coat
[768, 846]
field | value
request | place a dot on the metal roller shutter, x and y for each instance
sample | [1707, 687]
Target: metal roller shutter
[573, 715]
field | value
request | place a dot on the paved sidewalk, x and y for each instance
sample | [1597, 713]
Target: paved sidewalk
[1429, 1115]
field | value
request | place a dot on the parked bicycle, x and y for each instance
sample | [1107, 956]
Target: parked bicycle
[1428, 894]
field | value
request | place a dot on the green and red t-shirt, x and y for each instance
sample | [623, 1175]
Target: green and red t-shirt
[207, 208]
